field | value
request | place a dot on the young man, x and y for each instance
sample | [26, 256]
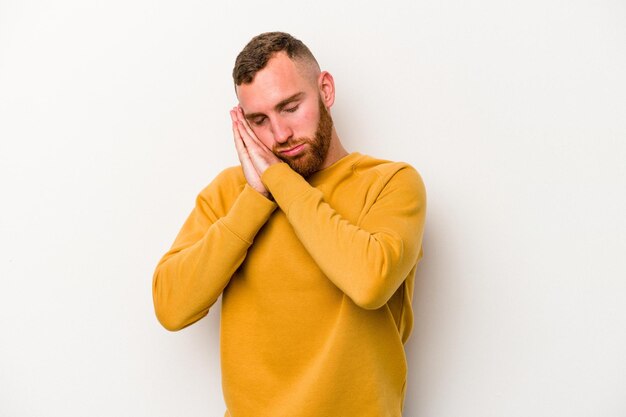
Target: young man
[312, 248]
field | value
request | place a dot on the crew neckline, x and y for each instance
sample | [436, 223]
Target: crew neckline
[322, 174]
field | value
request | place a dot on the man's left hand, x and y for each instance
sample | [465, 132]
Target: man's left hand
[260, 155]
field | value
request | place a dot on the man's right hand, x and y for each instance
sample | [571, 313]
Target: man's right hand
[252, 176]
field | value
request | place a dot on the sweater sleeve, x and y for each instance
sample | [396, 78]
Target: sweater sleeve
[209, 248]
[368, 261]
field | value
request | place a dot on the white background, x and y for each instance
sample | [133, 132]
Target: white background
[114, 114]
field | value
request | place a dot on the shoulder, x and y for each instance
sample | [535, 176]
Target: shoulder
[224, 188]
[386, 172]
[231, 177]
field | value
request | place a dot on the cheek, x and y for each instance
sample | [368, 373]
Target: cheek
[307, 125]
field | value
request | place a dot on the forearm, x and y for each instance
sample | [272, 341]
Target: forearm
[191, 276]
[367, 261]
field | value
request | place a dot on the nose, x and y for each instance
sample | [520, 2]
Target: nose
[281, 130]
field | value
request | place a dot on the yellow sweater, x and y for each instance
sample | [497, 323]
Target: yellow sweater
[317, 286]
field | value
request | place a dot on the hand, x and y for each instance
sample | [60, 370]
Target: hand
[253, 155]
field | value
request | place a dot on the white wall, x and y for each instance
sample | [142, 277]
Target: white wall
[113, 115]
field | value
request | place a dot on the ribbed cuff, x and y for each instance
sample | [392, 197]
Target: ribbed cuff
[285, 184]
[248, 214]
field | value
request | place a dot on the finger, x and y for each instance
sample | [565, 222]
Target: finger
[238, 129]
[235, 127]
[247, 132]
[251, 141]
[243, 134]
[244, 123]
[253, 145]
[240, 146]
[245, 157]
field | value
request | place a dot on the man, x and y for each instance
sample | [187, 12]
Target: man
[312, 248]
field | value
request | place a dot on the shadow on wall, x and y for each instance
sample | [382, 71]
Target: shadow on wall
[423, 362]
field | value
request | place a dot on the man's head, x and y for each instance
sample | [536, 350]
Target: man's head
[285, 98]
[255, 55]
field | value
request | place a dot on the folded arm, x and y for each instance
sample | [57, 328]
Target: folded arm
[206, 253]
[368, 261]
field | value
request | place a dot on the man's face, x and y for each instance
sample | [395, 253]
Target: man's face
[284, 108]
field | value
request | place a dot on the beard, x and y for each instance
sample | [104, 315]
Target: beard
[311, 160]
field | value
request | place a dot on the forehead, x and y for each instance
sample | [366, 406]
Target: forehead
[281, 78]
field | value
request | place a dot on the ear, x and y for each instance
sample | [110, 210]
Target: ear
[326, 85]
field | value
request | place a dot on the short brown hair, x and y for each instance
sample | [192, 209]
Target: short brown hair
[255, 55]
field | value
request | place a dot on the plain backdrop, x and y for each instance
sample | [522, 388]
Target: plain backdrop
[114, 115]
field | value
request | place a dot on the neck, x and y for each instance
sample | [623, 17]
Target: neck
[336, 151]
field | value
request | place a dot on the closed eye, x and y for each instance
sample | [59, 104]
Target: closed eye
[291, 109]
[258, 121]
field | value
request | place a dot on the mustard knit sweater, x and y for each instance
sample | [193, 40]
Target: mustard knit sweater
[316, 286]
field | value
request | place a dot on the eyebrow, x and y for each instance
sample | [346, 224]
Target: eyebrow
[281, 105]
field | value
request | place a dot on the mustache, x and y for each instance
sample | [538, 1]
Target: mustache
[290, 144]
